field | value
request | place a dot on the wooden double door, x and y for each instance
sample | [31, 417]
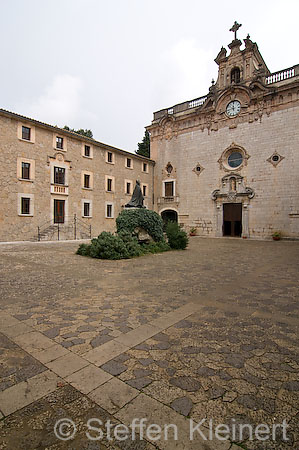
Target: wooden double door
[232, 219]
[59, 211]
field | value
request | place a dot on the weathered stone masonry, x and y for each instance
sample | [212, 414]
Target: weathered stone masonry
[248, 112]
[85, 197]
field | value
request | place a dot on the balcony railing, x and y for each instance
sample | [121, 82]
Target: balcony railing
[59, 189]
[174, 199]
[282, 75]
[180, 107]
[285, 74]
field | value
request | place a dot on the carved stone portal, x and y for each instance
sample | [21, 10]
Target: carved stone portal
[233, 190]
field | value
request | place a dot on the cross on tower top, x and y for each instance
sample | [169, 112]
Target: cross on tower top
[235, 28]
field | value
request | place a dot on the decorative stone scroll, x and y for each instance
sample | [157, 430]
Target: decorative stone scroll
[232, 188]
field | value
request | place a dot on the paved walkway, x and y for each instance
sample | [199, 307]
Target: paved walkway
[207, 333]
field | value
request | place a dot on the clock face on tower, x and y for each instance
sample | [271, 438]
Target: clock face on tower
[233, 108]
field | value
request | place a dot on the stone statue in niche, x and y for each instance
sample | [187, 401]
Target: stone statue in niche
[232, 184]
[137, 197]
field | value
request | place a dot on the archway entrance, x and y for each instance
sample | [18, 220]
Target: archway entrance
[232, 219]
[169, 215]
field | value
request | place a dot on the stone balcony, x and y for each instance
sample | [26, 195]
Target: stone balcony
[59, 189]
[283, 75]
[168, 200]
[180, 107]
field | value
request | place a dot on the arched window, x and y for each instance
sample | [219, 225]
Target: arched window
[235, 75]
[169, 215]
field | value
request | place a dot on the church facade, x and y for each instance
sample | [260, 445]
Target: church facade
[227, 163]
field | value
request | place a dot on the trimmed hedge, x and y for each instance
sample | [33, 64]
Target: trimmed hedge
[150, 221]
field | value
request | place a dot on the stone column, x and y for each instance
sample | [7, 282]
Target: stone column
[245, 221]
[219, 219]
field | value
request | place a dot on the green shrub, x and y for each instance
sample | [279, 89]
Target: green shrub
[177, 238]
[156, 247]
[131, 243]
[115, 246]
[110, 246]
[84, 250]
[150, 221]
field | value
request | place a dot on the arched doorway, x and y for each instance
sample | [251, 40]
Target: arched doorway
[169, 215]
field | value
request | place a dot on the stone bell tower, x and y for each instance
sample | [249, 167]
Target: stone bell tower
[240, 66]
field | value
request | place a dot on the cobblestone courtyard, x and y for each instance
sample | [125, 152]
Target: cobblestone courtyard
[207, 333]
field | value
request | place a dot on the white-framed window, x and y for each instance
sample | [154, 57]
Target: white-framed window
[129, 163]
[110, 157]
[86, 179]
[109, 210]
[109, 183]
[87, 150]
[144, 166]
[26, 132]
[128, 187]
[168, 188]
[60, 142]
[59, 175]
[25, 204]
[25, 169]
[144, 189]
[86, 208]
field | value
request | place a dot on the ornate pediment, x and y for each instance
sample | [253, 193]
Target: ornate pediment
[232, 188]
[168, 127]
[59, 157]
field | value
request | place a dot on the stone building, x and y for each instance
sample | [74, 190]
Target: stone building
[59, 184]
[227, 163]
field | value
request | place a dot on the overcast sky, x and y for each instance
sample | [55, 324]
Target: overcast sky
[107, 65]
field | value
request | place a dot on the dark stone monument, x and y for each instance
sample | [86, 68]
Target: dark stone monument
[137, 197]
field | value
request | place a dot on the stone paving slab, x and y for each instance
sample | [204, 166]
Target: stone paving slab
[105, 353]
[33, 341]
[88, 378]
[50, 353]
[138, 335]
[67, 364]
[156, 413]
[6, 321]
[113, 395]
[16, 365]
[16, 329]
[32, 426]
[26, 392]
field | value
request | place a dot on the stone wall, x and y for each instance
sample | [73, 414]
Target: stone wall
[42, 191]
[275, 205]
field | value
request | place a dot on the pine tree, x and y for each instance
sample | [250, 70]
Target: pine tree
[144, 146]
